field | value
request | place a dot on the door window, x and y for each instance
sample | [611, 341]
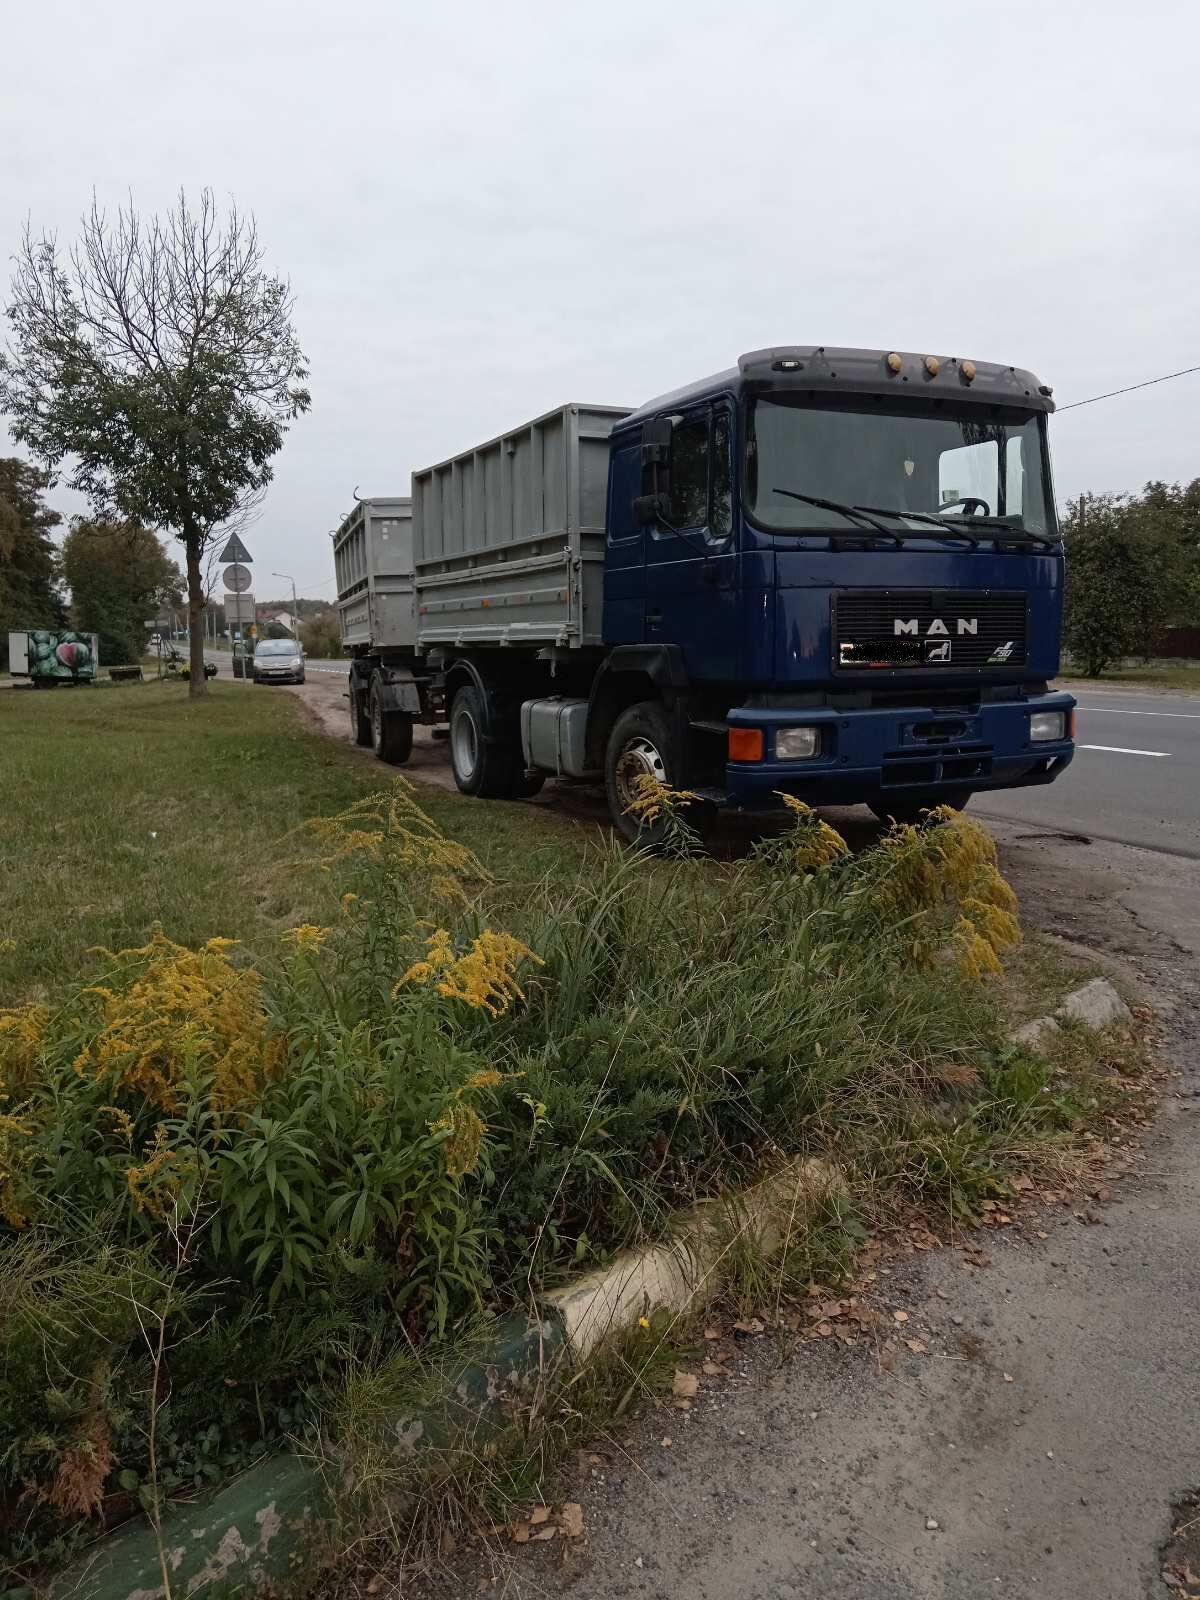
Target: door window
[689, 473]
[720, 520]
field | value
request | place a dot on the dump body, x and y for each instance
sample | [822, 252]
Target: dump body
[372, 559]
[508, 538]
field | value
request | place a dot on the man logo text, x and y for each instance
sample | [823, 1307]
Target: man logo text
[937, 629]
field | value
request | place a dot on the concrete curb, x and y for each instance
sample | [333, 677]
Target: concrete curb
[681, 1273]
[261, 1528]
[1095, 1004]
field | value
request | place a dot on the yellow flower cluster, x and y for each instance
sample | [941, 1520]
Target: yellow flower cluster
[169, 1008]
[307, 938]
[654, 799]
[485, 977]
[155, 1185]
[22, 1032]
[950, 860]
[13, 1132]
[390, 827]
[465, 1129]
[813, 842]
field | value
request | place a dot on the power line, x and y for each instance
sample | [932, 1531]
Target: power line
[1149, 384]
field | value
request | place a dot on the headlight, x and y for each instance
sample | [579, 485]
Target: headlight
[797, 744]
[1046, 726]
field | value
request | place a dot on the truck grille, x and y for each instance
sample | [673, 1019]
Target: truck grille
[899, 629]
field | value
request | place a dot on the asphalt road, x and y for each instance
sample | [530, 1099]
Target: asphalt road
[1135, 778]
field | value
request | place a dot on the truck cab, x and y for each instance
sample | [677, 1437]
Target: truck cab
[846, 564]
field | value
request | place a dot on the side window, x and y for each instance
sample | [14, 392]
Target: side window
[720, 520]
[689, 473]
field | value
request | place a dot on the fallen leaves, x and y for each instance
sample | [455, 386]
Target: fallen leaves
[900, 1316]
[685, 1385]
[917, 1346]
[543, 1524]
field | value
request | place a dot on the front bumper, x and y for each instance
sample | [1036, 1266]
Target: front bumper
[277, 677]
[896, 750]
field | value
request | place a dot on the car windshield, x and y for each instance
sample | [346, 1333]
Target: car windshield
[277, 647]
[967, 469]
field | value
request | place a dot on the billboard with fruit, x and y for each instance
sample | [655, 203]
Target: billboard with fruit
[59, 655]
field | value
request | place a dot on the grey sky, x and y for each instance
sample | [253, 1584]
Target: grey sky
[488, 209]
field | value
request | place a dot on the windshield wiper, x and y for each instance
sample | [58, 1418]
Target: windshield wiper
[851, 514]
[1013, 531]
[921, 516]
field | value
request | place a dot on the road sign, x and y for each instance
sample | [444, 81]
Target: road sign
[237, 578]
[235, 550]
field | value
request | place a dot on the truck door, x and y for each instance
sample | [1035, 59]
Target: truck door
[691, 565]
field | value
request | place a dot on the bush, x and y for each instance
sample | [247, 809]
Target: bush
[414, 1117]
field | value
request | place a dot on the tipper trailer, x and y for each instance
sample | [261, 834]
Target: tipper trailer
[830, 573]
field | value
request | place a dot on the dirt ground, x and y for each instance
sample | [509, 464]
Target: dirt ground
[1045, 1443]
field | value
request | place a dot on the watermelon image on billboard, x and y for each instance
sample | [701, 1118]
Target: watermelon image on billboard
[62, 656]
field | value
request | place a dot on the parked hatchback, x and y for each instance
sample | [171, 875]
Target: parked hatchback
[278, 661]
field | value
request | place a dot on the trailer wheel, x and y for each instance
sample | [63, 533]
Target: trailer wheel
[391, 731]
[492, 768]
[360, 720]
[912, 807]
[643, 743]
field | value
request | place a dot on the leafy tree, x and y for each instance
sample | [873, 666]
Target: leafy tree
[119, 574]
[321, 636]
[160, 361]
[1133, 569]
[29, 596]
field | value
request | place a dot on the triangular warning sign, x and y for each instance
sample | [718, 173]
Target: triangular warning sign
[235, 550]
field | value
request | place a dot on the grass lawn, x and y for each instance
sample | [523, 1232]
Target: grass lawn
[126, 806]
[1179, 675]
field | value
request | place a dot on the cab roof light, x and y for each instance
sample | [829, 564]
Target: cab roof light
[894, 362]
[932, 366]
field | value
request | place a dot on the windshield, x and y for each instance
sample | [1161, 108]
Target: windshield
[277, 647]
[986, 462]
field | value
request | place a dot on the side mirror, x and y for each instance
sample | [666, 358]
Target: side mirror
[654, 502]
[649, 509]
[656, 442]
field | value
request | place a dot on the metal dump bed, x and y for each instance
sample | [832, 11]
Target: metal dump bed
[372, 558]
[508, 538]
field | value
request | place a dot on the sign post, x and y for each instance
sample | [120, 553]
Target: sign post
[237, 588]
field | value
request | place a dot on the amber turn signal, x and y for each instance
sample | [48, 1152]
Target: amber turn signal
[745, 744]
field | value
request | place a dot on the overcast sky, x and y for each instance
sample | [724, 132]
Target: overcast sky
[489, 209]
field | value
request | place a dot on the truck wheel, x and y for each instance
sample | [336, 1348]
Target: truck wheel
[493, 769]
[911, 807]
[360, 721]
[391, 731]
[643, 743]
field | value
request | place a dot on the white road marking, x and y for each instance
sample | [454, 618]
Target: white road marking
[1119, 750]
[1124, 711]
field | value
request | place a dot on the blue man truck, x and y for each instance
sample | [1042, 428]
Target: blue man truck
[830, 573]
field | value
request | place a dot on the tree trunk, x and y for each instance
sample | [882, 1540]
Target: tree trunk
[197, 682]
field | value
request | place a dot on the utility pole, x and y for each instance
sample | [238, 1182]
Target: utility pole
[295, 619]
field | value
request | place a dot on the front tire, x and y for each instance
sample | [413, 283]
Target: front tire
[644, 743]
[391, 731]
[912, 807]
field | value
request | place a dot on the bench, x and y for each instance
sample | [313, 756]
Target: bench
[125, 674]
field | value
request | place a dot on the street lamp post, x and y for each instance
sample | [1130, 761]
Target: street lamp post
[295, 618]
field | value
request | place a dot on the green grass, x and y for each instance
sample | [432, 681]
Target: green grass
[1177, 675]
[131, 805]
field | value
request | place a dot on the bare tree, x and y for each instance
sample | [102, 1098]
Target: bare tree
[160, 363]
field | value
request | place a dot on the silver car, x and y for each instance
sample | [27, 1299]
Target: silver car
[278, 661]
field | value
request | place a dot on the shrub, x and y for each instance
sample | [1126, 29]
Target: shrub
[414, 1116]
